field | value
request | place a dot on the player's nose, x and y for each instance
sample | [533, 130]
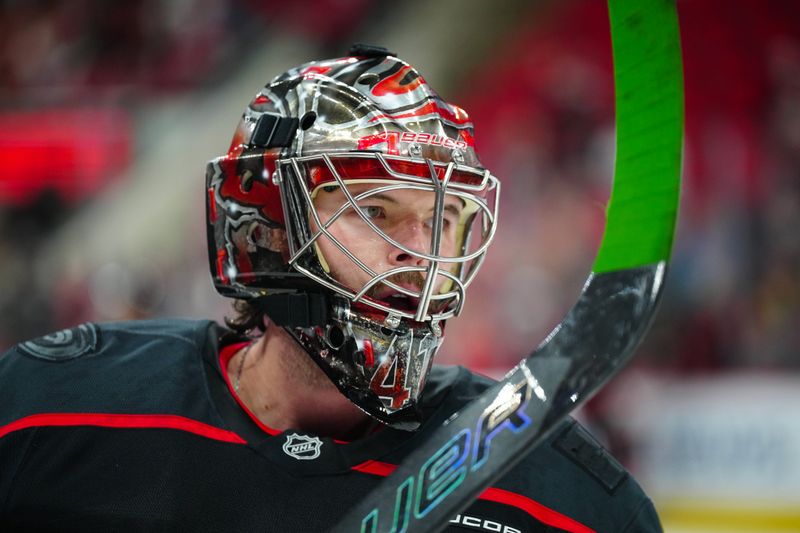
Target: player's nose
[414, 236]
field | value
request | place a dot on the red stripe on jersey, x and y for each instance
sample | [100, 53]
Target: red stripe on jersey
[123, 421]
[225, 355]
[377, 468]
[533, 508]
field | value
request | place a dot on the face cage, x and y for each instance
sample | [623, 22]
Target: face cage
[298, 205]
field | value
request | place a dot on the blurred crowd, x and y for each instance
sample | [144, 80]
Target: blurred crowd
[542, 103]
[733, 295]
[74, 76]
[52, 50]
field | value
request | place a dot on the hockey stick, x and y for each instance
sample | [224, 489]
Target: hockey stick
[613, 312]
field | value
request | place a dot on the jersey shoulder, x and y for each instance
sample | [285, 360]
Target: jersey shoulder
[124, 367]
[570, 472]
[573, 473]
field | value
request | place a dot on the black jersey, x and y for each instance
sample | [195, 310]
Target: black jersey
[134, 426]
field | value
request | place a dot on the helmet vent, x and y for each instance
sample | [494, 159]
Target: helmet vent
[308, 120]
[334, 336]
[368, 78]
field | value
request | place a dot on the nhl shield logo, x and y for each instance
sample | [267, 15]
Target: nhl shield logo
[302, 447]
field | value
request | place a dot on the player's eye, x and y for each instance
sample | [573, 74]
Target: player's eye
[446, 223]
[372, 211]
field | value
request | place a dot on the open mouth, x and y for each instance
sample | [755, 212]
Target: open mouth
[401, 302]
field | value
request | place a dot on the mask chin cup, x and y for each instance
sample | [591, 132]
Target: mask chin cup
[382, 370]
[406, 419]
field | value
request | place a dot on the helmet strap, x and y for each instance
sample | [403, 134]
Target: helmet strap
[296, 309]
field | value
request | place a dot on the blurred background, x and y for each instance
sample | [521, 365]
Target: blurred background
[109, 111]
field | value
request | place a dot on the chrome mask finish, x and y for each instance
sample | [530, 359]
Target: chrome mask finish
[380, 369]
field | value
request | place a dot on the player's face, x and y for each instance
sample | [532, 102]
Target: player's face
[405, 215]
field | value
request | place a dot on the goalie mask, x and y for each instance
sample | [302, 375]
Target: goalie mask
[352, 208]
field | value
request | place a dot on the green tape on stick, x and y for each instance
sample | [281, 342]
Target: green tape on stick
[648, 85]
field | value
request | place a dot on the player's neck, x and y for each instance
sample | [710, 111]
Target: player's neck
[284, 389]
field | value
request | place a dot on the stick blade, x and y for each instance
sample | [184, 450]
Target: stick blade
[495, 431]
